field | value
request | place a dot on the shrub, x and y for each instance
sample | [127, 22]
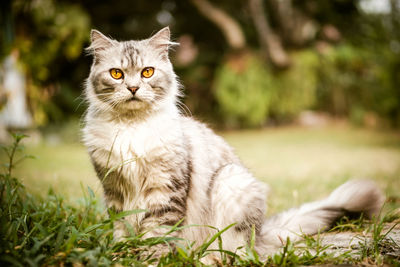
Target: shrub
[249, 92]
[354, 81]
[296, 87]
[241, 89]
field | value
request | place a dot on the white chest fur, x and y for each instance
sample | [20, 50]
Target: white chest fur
[134, 150]
[115, 143]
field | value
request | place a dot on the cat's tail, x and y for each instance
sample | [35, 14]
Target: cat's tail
[353, 197]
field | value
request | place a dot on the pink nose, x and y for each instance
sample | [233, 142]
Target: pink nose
[133, 89]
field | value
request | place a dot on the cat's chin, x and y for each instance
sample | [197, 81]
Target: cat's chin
[133, 104]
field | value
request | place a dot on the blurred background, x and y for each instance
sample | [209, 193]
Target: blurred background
[253, 64]
[242, 63]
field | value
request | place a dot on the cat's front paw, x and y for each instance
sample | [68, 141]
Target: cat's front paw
[119, 232]
[157, 251]
[211, 260]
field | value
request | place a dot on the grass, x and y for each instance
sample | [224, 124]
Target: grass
[302, 164]
[299, 164]
[67, 226]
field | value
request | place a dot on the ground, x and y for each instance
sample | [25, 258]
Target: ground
[300, 164]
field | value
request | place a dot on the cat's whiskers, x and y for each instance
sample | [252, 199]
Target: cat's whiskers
[105, 94]
[82, 100]
[182, 107]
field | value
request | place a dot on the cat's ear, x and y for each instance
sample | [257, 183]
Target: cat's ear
[99, 42]
[161, 41]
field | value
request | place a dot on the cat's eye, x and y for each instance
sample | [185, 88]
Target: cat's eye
[116, 74]
[147, 72]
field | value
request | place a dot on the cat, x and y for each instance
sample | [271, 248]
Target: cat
[150, 156]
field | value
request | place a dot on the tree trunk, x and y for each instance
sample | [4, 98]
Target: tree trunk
[229, 27]
[296, 28]
[15, 113]
[270, 42]
[395, 14]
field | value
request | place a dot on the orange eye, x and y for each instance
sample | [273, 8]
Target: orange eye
[147, 72]
[116, 74]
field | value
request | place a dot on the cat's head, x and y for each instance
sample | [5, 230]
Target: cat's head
[131, 76]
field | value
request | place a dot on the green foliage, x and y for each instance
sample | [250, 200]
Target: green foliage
[249, 91]
[57, 30]
[357, 77]
[346, 80]
[376, 250]
[49, 231]
[355, 80]
[242, 91]
[296, 87]
[347, 224]
[36, 231]
[52, 34]
[11, 153]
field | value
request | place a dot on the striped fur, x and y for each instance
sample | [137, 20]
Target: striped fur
[149, 156]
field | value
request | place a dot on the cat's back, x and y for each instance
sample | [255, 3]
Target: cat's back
[207, 148]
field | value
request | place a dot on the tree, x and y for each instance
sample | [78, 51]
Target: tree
[229, 27]
[269, 40]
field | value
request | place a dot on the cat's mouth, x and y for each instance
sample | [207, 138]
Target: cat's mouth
[133, 98]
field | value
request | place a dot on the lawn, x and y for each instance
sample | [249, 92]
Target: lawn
[70, 227]
[299, 164]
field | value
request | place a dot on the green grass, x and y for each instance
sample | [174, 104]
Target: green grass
[302, 164]
[299, 164]
[69, 225]
[62, 167]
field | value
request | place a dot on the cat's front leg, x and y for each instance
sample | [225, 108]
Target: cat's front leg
[114, 202]
[119, 231]
[165, 198]
[159, 220]
[119, 228]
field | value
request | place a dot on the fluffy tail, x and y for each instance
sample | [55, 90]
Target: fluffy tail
[358, 196]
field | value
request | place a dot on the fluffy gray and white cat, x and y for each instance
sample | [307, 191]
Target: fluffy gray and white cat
[150, 156]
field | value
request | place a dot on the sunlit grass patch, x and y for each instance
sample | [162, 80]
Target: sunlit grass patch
[303, 164]
[299, 164]
[63, 167]
[48, 230]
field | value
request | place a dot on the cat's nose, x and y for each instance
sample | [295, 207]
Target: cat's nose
[133, 89]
